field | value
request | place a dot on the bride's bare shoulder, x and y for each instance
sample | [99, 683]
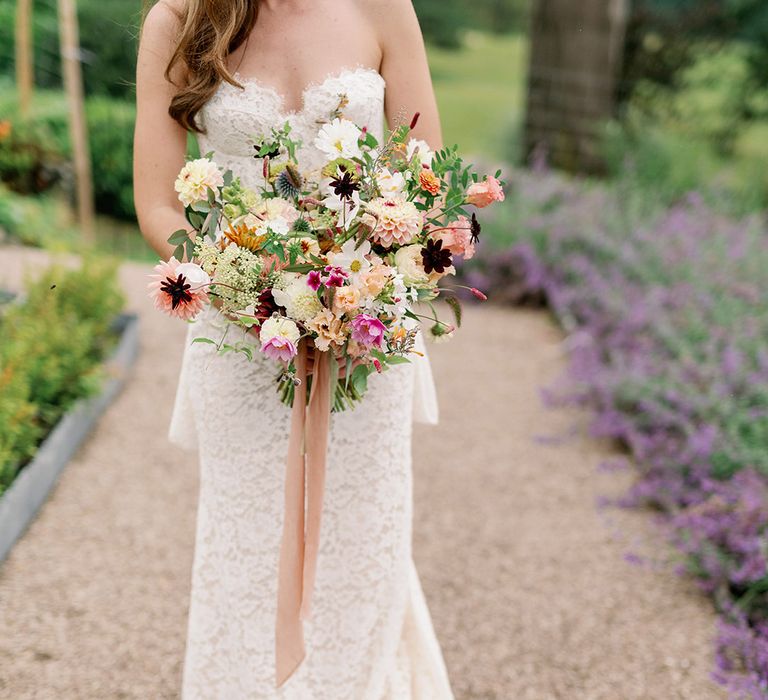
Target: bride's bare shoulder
[386, 8]
[163, 17]
[389, 17]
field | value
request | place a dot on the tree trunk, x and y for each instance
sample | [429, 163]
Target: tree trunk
[23, 57]
[576, 53]
[73, 85]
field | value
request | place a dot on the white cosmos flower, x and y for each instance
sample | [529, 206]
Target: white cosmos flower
[346, 208]
[339, 139]
[425, 154]
[352, 260]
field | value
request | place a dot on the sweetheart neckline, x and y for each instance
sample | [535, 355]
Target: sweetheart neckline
[308, 88]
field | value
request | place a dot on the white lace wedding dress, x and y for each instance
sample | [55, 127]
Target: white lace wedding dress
[370, 636]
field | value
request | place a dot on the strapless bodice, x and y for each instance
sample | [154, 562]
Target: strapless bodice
[236, 119]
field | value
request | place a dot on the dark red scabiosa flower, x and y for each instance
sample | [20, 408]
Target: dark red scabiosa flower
[435, 257]
[266, 306]
[178, 289]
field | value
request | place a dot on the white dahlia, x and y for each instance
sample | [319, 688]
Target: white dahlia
[195, 178]
[299, 300]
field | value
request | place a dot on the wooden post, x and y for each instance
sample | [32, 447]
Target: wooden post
[73, 85]
[23, 57]
[576, 54]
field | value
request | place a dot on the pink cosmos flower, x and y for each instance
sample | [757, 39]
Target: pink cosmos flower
[481, 194]
[367, 330]
[179, 292]
[279, 348]
[314, 280]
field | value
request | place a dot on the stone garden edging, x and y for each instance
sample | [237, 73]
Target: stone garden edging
[29, 490]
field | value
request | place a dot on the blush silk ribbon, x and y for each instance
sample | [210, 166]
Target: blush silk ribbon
[305, 478]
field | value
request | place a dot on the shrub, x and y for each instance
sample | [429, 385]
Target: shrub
[110, 132]
[51, 346]
[41, 145]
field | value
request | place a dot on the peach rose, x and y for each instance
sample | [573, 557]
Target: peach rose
[457, 238]
[375, 279]
[481, 194]
[346, 300]
[329, 329]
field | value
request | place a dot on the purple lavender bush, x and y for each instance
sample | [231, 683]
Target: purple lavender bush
[668, 313]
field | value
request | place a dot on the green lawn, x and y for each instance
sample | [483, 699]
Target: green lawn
[480, 92]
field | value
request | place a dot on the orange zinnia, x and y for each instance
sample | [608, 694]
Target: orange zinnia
[429, 182]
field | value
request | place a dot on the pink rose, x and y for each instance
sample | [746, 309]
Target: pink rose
[367, 330]
[481, 194]
[457, 237]
[279, 348]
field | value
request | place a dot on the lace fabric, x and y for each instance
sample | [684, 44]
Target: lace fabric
[370, 636]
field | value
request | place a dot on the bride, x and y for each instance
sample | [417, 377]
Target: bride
[229, 71]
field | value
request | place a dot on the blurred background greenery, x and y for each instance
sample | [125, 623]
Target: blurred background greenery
[691, 105]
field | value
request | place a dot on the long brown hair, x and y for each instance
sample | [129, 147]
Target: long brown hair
[210, 31]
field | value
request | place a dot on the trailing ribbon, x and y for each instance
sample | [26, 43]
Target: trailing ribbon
[305, 470]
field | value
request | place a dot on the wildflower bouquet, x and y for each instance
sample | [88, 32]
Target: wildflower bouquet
[336, 258]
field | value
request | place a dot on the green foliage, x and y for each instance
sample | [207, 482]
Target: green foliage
[108, 30]
[31, 156]
[51, 346]
[663, 36]
[110, 131]
[38, 150]
[444, 22]
[707, 134]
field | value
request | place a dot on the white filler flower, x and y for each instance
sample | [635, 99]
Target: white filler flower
[339, 139]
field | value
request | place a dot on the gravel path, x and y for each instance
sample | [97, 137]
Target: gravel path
[526, 581]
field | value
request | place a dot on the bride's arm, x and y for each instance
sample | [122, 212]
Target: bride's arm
[159, 141]
[405, 69]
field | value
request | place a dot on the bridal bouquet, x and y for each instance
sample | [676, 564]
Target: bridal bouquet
[336, 258]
